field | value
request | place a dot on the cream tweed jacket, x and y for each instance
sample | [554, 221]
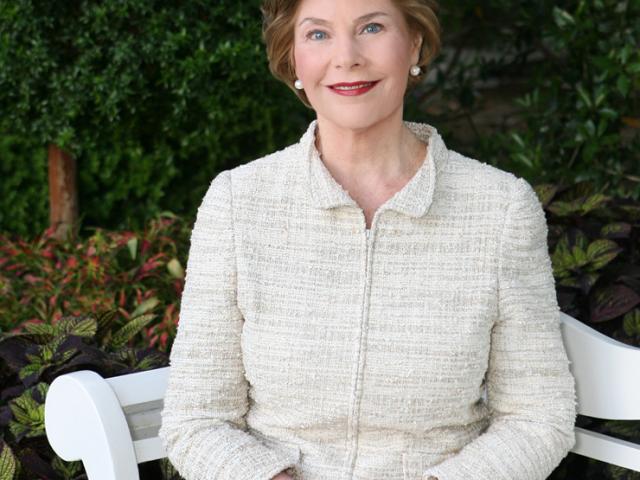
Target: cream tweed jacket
[429, 345]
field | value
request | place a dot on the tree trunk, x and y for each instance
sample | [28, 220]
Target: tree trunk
[63, 193]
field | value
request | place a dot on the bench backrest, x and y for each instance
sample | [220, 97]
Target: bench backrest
[604, 369]
[112, 424]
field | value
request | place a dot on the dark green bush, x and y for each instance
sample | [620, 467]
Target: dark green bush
[152, 97]
[549, 90]
[24, 207]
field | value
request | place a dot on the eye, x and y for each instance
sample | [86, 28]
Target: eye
[312, 35]
[376, 28]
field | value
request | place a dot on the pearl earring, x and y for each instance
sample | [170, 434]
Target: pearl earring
[298, 84]
[415, 70]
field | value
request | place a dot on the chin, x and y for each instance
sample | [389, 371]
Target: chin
[355, 117]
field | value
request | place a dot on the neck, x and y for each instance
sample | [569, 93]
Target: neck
[382, 153]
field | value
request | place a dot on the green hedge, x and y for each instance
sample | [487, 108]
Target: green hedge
[153, 98]
[24, 206]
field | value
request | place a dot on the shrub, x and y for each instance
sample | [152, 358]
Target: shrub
[133, 273]
[152, 98]
[549, 90]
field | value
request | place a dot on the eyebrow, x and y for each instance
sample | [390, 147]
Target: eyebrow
[365, 17]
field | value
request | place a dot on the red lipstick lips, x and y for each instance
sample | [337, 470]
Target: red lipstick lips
[353, 88]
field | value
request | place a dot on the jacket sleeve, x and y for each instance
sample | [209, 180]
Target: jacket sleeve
[531, 392]
[203, 427]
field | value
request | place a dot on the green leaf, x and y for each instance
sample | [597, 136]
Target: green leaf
[40, 328]
[545, 192]
[590, 127]
[523, 159]
[66, 355]
[8, 463]
[26, 411]
[67, 324]
[616, 230]
[593, 202]
[124, 334]
[132, 244]
[175, 268]
[584, 96]
[601, 252]
[631, 323]
[145, 306]
[105, 320]
[67, 469]
[608, 113]
[518, 139]
[561, 258]
[47, 351]
[569, 282]
[601, 95]
[86, 327]
[29, 413]
[580, 258]
[31, 369]
[622, 84]
[18, 429]
[562, 18]
[564, 209]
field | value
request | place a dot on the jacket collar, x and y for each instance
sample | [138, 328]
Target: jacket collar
[413, 199]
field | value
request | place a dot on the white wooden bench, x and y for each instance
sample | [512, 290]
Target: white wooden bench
[112, 424]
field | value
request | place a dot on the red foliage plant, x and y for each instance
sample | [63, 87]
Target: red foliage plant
[44, 279]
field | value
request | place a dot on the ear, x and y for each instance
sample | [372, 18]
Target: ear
[416, 46]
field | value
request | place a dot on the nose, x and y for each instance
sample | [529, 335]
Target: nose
[347, 52]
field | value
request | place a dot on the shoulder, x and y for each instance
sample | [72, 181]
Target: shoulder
[474, 175]
[270, 179]
[264, 174]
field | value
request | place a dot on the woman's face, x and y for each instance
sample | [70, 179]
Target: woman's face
[338, 41]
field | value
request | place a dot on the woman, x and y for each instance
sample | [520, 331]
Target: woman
[349, 298]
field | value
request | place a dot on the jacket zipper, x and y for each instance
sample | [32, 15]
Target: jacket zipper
[355, 408]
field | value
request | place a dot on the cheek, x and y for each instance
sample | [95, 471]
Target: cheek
[307, 61]
[396, 68]
[392, 55]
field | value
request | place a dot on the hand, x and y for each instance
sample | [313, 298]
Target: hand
[282, 476]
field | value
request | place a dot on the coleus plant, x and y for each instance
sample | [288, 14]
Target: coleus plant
[595, 252]
[31, 359]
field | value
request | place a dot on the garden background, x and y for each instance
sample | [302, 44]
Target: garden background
[151, 99]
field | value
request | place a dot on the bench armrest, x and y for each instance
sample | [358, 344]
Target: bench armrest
[84, 421]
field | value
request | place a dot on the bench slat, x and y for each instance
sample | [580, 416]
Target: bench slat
[607, 449]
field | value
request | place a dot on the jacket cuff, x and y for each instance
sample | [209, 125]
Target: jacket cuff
[255, 461]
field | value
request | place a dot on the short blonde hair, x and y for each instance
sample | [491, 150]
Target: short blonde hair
[278, 27]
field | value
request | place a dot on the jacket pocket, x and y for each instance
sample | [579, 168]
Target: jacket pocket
[415, 462]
